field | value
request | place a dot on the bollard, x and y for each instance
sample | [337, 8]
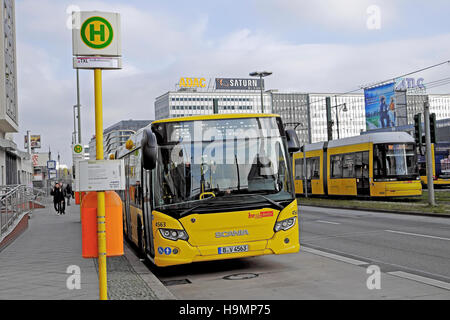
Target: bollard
[114, 225]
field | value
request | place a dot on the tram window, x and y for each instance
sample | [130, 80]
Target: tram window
[365, 164]
[336, 166]
[313, 168]
[348, 168]
[358, 159]
[298, 169]
[422, 169]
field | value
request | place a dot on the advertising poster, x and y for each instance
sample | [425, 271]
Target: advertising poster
[383, 109]
[35, 141]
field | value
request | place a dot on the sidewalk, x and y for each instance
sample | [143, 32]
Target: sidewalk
[35, 265]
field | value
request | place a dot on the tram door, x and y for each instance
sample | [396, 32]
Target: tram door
[362, 173]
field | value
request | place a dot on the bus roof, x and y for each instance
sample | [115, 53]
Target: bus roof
[217, 116]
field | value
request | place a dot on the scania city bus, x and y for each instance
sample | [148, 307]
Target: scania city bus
[211, 187]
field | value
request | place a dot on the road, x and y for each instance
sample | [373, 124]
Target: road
[410, 243]
[338, 246]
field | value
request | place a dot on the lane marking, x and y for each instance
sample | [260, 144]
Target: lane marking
[414, 277]
[417, 235]
[333, 256]
[329, 222]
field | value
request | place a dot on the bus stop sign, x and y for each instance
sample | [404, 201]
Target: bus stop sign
[96, 33]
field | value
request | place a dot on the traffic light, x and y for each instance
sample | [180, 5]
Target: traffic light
[418, 129]
[433, 127]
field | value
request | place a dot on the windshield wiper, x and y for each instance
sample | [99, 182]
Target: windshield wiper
[208, 200]
[276, 204]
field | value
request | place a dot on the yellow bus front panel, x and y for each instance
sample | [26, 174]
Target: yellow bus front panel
[210, 233]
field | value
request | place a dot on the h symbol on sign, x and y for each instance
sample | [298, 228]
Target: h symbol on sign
[93, 32]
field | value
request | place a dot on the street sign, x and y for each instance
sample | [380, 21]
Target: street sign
[77, 149]
[98, 34]
[51, 165]
[102, 175]
[53, 174]
[97, 62]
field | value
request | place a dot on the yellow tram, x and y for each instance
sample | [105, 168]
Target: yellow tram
[372, 165]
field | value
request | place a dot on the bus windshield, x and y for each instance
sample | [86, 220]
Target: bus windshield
[395, 161]
[221, 159]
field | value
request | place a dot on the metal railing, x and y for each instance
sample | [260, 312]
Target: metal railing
[14, 201]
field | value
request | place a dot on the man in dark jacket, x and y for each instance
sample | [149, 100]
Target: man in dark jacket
[58, 199]
[68, 193]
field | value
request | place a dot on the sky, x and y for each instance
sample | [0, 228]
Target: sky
[310, 46]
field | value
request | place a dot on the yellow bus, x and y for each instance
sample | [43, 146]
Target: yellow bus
[371, 165]
[210, 187]
[440, 153]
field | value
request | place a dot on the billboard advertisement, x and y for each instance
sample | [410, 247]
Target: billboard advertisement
[385, 107]
[238, 84]
[35, 141]
[39, 159]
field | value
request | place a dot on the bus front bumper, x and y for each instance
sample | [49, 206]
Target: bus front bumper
[169, 253]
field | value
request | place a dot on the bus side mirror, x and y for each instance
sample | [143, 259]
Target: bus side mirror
[149, 149]
[292, 140]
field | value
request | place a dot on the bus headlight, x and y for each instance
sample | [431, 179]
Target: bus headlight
[173, 234]
[285, 224]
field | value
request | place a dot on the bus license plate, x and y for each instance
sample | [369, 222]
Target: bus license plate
[233, 249]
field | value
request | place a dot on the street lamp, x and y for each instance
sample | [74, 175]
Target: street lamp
[344, 108]
[261, 75]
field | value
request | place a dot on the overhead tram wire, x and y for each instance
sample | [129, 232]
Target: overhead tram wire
[379, 82]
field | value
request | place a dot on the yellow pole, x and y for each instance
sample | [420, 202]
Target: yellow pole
[101, 228]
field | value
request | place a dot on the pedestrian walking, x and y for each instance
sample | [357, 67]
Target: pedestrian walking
[58, 198]
[68, 193]
[63, 199]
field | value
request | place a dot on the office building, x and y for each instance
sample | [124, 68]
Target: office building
[15, 165]
[184, 103]
[115, 136]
